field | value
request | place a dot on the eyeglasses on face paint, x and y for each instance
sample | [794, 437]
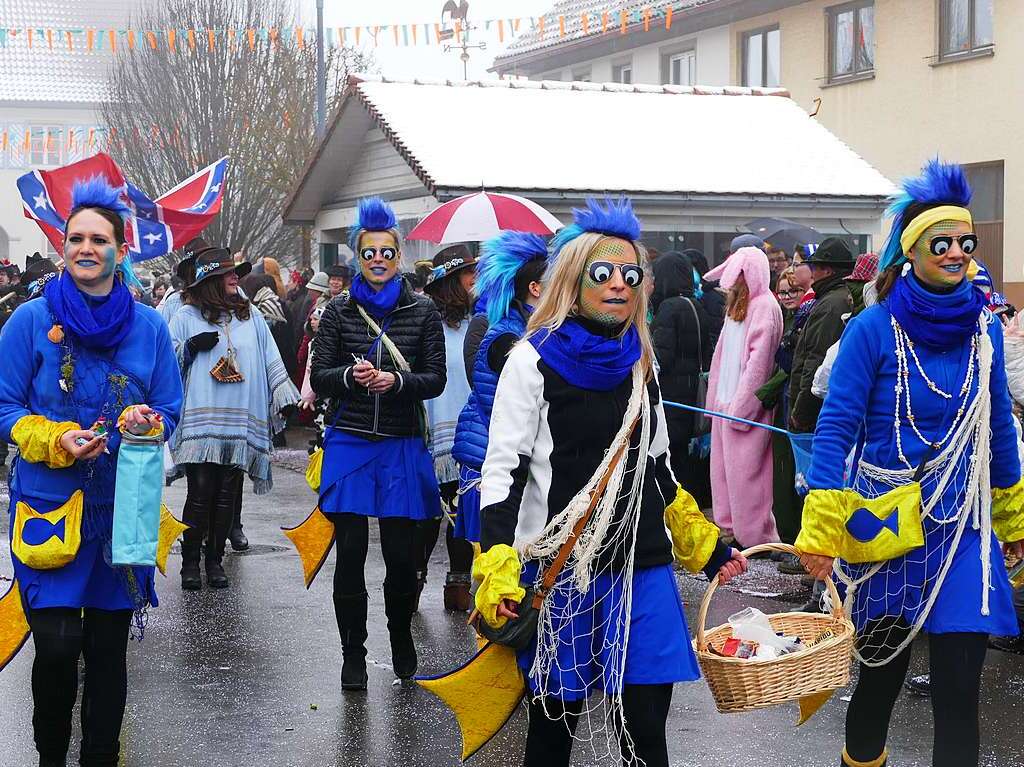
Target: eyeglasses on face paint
[601, 271]
[387, 253]
[939, 246]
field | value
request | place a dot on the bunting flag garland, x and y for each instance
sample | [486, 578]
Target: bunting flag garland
[402, 35]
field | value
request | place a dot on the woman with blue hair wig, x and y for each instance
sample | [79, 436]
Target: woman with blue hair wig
[84, 365]
[924, 401]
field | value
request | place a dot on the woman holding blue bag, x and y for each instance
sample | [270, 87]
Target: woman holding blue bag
[79, 360]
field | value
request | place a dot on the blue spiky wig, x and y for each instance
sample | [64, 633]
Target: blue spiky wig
[98, 192]
[939, 184]
[615, 219]
[372, 215]
[501, 259]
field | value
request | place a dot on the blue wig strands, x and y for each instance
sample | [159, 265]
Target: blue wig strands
[616, 219]
[501, 259]
[939, 184]
[372, 215]
[97, 192]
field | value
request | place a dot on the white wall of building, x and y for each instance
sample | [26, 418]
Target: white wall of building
[20, 236]
[712, 47]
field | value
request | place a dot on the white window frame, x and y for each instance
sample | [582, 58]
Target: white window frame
[686, 58]
[45, 155]
[619, 71]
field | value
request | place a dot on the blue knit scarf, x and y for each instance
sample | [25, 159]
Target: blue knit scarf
[585, 359]
[377, 302]
[94, 324]
[937, 320]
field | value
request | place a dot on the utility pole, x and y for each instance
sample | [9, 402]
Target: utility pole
[321, 73]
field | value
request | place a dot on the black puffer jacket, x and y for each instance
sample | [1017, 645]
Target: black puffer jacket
[415, 327]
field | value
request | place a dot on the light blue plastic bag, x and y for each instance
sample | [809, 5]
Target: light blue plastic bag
[137, 495]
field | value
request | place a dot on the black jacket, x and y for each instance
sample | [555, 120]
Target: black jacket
[414, 325]
[823, 328]
[681, 331]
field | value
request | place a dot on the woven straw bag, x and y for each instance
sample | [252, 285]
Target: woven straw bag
[745, 685]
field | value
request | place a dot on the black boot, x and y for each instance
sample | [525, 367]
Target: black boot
[191, 545]
[48, 762]
[223, 514]
[350, 611]
[235, 535]
[398, 608]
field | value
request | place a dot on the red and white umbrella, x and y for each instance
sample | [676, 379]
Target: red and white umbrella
[481, 216]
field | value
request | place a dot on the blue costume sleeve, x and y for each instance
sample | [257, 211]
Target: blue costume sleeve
[165, 393]
[841, 415]
[16, 350]
[1005, 463]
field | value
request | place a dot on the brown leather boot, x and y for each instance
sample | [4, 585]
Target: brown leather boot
[456, 593]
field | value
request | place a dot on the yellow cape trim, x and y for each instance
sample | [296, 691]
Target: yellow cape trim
[170, 530]
[313, 540]
[810, 704]
[14, 628]
[929, 218]
[483, 694]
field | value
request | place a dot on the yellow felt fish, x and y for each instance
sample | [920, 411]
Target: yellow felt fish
[313, 540]
[483, 694]
[170, 530]
[14, 628]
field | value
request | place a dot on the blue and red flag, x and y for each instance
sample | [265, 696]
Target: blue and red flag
[157, 226]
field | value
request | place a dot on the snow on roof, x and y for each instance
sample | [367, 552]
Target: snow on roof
[572, 11]
[530, 135]
[41, 74]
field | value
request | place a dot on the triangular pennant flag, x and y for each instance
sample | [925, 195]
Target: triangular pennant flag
[668, 17]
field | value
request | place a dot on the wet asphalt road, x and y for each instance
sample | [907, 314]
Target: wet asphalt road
[250, 676]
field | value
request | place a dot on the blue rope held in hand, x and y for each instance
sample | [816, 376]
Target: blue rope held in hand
[737, 419]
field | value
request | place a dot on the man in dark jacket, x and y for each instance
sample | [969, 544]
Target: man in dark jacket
[830, 264]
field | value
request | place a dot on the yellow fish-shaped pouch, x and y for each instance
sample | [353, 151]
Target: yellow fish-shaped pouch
[882, 528]
[49, 540]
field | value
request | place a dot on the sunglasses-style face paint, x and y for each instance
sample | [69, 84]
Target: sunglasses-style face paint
[388, 254]
[601, 271]
[939, 246]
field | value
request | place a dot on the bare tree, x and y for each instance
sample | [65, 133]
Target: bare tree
[173, 111]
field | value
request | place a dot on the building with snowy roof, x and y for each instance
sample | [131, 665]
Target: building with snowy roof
[698, 162]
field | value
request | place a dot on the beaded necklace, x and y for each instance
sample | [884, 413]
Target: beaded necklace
[905, 347]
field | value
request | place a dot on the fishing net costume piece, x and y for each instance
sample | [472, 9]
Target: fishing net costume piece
[890, 601]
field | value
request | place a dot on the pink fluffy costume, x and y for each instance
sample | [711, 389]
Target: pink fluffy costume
[741, 455]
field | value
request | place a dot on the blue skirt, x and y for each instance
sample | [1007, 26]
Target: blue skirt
[658, 651]
[89, 580]
[391, 477]
[467, 516]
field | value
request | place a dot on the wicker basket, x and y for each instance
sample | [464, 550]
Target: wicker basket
[745, 685]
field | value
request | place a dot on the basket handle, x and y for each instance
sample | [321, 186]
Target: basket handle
[702, 617]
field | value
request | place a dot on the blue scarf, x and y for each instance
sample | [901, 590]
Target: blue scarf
[97, 326]
[586, 359]
[938, 320]
[377, 302]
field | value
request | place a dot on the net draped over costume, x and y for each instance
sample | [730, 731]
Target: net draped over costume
[957, 581]
[141, 370]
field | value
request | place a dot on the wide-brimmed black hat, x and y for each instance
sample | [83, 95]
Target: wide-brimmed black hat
[38, 271]
[447, 262]
[211, 260]
[832, 251]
